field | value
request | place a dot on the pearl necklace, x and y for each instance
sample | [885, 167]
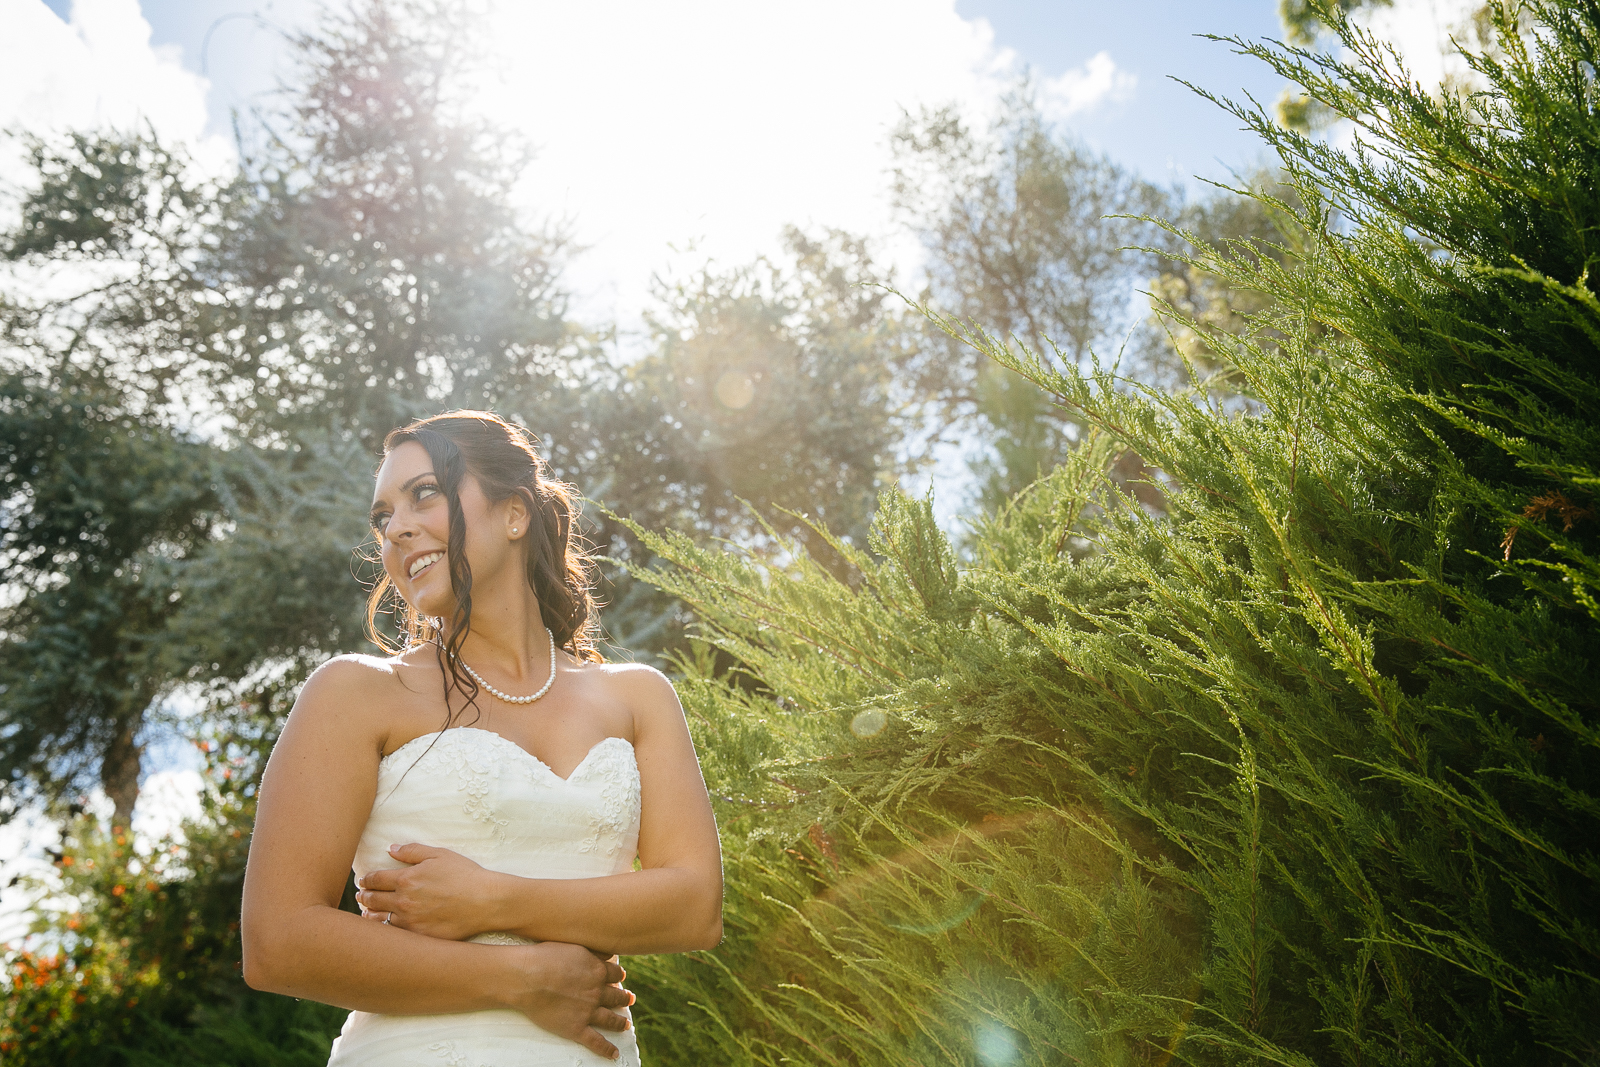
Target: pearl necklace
[507, 697]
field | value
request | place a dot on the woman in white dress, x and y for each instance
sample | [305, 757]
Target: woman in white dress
[517, 812]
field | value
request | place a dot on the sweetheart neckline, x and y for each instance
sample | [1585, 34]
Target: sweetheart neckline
[507, 741]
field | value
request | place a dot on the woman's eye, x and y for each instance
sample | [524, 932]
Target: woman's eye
[424, 491]
[379, 524]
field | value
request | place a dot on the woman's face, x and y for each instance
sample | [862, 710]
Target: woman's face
[412, 521]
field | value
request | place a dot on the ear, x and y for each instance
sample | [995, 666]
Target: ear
[518, 516]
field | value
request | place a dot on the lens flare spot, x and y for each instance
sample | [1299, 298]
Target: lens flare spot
[735, 389]
[948, 922]
[996, 1045]
[868, 723]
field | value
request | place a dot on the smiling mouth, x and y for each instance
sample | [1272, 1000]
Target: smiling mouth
[423, 563]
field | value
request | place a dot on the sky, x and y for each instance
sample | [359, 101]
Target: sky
[668, 134]
[671, 133]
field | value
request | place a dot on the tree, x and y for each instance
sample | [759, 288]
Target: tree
[1201, 310]
[1303, 20]
[377, 270]
[103, 506]
[1034, 236]
[364, 268]
[1473, 29]
[105, 498]
[769, 387]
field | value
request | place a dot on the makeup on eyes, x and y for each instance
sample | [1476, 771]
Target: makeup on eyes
[378, 518]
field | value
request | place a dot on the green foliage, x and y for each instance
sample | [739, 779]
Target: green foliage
[1304, 20]
[1203, 311]
[374, 269]
[105, 503]
[136, 956]
[948, 889]
[285, 574]
[769, 385]
[1037, 238]
[1299, 771]
[1285, 755]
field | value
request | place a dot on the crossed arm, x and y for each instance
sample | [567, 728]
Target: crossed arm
[316, 793]
[673, 903]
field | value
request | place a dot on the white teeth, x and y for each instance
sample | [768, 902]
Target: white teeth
[431, 557]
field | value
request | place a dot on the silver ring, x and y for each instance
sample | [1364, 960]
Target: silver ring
[386, 921]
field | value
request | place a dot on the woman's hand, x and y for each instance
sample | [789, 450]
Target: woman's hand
[571, 992]
[441, 894]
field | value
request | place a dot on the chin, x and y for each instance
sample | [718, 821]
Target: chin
[431, 603]
[435, 607]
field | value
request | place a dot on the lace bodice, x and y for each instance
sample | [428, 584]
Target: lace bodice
[486, 797]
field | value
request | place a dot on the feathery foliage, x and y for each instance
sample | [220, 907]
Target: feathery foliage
[1300, 771]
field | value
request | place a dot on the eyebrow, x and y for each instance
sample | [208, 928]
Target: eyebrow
[406, 488]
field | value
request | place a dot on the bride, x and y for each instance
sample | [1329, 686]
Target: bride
[516, 811]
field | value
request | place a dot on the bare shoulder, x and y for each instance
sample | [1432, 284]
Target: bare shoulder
[644, 691]
[636, 681]
[350, 676]
[347, 694]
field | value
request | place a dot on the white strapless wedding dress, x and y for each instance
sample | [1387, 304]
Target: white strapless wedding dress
[489, 799]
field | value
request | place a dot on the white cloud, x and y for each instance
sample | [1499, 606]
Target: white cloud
[1083, 88]
[1424, 35]
[98, 70]
[711, 124]
[1421, 31]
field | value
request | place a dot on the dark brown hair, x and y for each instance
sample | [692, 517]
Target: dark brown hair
[501, 456]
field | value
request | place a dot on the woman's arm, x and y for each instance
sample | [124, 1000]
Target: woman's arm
[673, 904]
[316, 794]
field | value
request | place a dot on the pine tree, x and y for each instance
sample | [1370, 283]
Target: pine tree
[377, 270]
[105, 505]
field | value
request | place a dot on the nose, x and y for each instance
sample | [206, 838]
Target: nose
[400, 529]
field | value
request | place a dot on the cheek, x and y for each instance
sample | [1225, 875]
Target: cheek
[390, 555]
[435, 522]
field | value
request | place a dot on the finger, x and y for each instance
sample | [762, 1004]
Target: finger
[616, 997]
[602, 1019]
[614, 973]
[415, 853]
[590, 1039]
[385, 902]
[381, 880]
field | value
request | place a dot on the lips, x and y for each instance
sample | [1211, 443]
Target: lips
[422, 563]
